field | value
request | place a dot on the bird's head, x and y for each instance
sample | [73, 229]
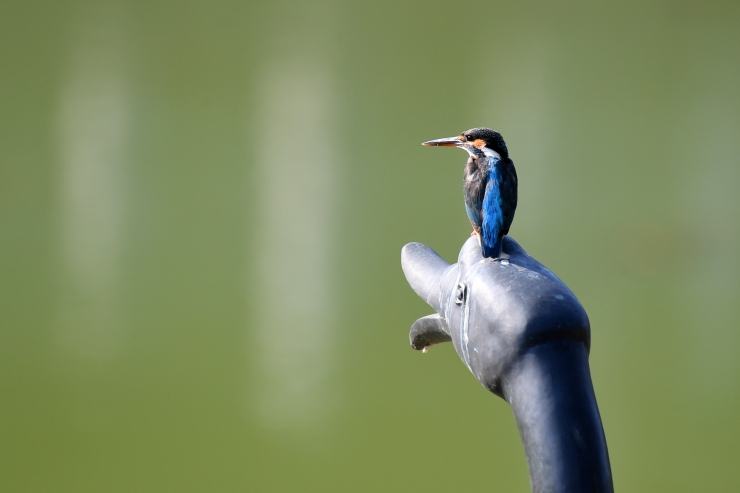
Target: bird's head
[476, 141]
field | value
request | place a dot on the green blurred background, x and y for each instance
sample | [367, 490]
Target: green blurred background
[202, 206]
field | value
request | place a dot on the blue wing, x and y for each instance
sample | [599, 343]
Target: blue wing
[493, 216]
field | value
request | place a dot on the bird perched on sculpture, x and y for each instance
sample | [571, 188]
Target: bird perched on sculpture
[489, 185]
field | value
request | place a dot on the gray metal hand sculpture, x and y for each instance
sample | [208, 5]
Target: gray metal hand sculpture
[526, 338]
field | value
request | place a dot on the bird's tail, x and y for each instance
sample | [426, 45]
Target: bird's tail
[489, 250]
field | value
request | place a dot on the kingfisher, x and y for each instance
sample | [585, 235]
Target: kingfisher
[489, 185]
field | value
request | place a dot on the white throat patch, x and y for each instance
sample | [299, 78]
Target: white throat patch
[486, 151]
[491, 153]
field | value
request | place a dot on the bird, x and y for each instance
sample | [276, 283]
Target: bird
[489, 185]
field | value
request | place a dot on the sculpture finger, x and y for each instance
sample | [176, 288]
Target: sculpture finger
[424, 270]
[428, 331]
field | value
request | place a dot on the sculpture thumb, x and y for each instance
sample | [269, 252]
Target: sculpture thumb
[424, 270]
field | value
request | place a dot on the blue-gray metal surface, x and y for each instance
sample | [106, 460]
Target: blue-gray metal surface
[526, 338]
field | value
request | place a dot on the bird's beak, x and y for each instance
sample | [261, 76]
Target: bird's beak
[447, 142]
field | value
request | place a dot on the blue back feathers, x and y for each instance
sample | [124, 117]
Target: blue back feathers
[493, 214]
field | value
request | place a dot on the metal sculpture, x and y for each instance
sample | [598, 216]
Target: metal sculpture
[526, 338]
